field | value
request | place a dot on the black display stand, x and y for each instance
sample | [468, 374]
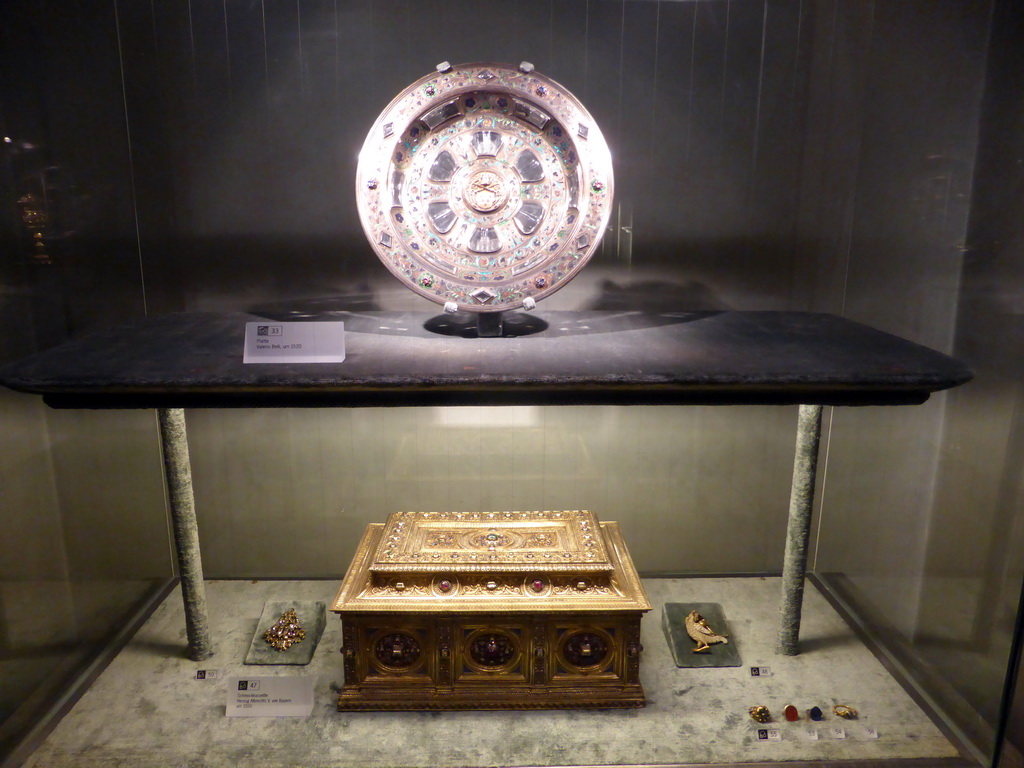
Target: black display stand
[183, 361]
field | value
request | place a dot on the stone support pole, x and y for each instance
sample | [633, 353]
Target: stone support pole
[801, 505]
[178, 474]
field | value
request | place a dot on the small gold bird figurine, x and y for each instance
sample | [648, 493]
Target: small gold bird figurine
[699, 631]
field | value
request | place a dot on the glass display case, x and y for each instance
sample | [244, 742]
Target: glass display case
[851, 160]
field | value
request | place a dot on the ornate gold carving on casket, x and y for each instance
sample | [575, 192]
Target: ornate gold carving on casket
[491, 610]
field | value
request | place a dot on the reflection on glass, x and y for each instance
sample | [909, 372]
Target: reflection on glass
[484, 240]
[529, 166]
[443, 167]
[441, 216]
[486, 143]
[531, 114]
[439, 114]
[397, 180]
[528, 216]
[573, 183]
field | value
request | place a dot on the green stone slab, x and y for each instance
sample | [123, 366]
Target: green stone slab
[312, 618]
[673, 620]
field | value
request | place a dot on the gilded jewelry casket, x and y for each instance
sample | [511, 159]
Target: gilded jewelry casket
[491, 610]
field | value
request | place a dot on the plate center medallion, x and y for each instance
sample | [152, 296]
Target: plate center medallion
[486, 191]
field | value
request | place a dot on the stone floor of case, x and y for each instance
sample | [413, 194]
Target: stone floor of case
[149, 709]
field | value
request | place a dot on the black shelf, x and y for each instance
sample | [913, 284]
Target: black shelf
[194, 360]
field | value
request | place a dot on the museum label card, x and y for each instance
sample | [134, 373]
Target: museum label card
[270, 697]
[305, 342]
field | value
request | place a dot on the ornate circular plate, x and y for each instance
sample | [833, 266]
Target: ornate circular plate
[484, 187]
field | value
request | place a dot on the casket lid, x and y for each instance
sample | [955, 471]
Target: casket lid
[453, 562]
[462, 542]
